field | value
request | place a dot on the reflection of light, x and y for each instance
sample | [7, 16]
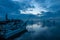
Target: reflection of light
[34, 27]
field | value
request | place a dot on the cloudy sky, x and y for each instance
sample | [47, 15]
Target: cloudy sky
[28, 6]
[39, 5]
[33, 6]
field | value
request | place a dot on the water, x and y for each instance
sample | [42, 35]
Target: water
[35, 27]
[34, 31]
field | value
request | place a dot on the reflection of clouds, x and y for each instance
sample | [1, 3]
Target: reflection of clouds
[35, 28]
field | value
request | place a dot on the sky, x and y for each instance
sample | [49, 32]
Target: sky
[34, 9]
[28, 6]
[40, 5]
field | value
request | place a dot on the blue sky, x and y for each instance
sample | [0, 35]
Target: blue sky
[16, 5]
[28, 6]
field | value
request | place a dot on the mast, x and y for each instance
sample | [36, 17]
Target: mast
[6, 17]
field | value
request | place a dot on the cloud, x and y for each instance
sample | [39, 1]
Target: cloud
[51, 5]
[14, 6]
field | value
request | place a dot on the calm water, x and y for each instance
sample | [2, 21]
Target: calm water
[34, 31]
